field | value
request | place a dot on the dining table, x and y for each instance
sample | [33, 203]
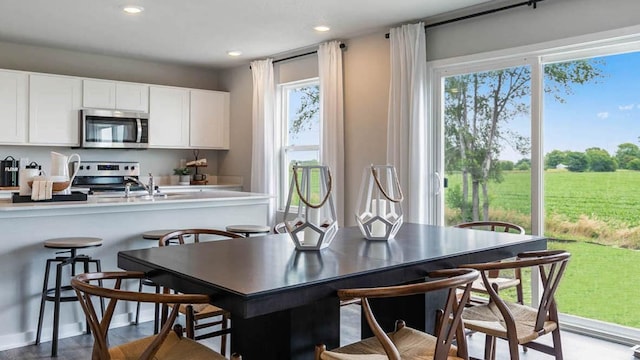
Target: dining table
[283, 301]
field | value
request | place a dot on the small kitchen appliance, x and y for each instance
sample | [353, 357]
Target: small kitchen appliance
[113, 129]
[9, 168]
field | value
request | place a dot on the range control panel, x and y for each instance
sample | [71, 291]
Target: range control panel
[107, 168]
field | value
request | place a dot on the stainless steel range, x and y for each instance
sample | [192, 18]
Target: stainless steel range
[105, 176]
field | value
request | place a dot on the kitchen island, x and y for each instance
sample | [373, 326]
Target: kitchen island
[119, 222]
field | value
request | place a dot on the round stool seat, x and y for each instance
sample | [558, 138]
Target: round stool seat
[156, 234]
[248, 229]
[73, 242]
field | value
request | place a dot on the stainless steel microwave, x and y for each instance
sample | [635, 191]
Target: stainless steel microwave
[113, 129]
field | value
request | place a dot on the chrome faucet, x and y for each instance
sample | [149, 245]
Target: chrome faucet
[150, 188]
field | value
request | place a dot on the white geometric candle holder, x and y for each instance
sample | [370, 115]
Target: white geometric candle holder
[379, 210]
[314, 226]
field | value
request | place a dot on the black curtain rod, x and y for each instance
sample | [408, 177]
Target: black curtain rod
[533, 3]
[342, 46]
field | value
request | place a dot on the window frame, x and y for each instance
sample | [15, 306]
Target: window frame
[283, 135]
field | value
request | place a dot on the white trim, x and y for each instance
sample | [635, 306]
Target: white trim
[568, 46]
[600, 329]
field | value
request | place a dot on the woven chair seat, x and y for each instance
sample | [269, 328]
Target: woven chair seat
[172, 348]
[410, 343]
[203, 310]
[487, 319]
[500, 282]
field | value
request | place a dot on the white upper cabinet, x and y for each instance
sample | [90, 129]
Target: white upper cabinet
[134, 97]
[168, 117]
[209, 119]
[54, 102]
[105, 94]
[13, 107]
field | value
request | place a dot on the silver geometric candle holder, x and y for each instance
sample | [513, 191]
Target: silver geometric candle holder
[314, 226]
[379, 210]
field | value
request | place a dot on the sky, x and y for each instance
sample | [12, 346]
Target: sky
[602, 114]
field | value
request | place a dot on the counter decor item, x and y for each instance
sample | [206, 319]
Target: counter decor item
[379, 210]
[314, 223]
[60, 170]
[9, 169]
[26, 175]
[198, 179]
[184, 174]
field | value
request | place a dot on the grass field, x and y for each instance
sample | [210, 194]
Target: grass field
[583, 208]
[595, 207]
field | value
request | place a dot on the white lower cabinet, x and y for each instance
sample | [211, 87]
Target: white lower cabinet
[209, 123]
[13, 107]
[168, 117]
[54, 102]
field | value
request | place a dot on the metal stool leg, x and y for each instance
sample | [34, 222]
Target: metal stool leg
[43, 300]
[138, 304]
[56, 310]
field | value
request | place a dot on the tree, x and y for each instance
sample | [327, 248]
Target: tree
[577, 161]
[523, 164]
[506, 165]
[600, 161]
[555, 158]
[626, 153]
[308, 110]
[634, 164]
[478, 105]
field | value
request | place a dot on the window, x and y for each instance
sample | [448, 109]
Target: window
[300, 130]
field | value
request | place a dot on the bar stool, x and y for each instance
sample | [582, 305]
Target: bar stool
[154, 235]
[68, 245]
[247, 230]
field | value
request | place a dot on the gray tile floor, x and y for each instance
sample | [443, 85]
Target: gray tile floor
[576, 347]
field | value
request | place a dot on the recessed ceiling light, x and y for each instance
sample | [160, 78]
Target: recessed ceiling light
[322, 28]
[234, 53]
[133, 9]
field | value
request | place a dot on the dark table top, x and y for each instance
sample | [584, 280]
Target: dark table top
[264, 270]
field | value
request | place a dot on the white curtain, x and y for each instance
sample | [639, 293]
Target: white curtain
[332, 115]
[406, 133]
[263, 173]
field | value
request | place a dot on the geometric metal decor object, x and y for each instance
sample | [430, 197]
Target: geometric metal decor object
[379, 210]
[310, 205]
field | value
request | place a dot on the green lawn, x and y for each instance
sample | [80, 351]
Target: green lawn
[587, 207]
[600, 283]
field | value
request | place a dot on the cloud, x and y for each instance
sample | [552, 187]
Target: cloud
[603, 115]
[626, 107]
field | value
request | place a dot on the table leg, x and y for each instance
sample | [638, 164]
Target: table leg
[289, 334]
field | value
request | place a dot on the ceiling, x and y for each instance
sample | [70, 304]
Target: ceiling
[200, 32]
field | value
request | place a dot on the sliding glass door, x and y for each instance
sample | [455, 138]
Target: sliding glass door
[552, 142]
[487, 146]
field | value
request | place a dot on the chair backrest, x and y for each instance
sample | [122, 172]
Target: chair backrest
[99, 326]
[493, 226]
[551, 265]
[181, 234]
[446, 331]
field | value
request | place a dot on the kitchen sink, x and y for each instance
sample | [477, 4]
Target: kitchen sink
[139, 197]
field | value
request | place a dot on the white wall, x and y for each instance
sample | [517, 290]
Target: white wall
[73, 63]
[552, 20]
